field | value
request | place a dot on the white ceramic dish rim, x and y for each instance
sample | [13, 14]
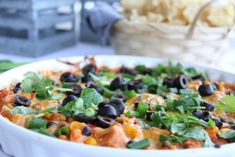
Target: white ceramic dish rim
[10, 130]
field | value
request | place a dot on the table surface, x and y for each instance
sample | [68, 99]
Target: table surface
[227, 63]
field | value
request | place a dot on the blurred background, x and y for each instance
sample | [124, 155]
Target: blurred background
[201, 32]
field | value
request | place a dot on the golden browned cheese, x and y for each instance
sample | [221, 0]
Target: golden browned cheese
[153, 134]
[152, 100]
[112, 137]
[20, 119]
[192, 143]
[215, 97]
[194, 85]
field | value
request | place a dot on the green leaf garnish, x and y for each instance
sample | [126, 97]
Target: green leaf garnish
[91, 96]
[139, 145]
[35, 82]
[226, 104]
[21, 110]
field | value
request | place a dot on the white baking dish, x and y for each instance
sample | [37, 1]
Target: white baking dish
[20, 142]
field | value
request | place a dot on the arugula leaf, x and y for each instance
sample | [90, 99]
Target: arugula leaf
[21, 110]
[91, 96]
[35, 82]
[226, 104]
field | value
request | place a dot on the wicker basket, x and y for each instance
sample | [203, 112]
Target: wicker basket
[205, 45]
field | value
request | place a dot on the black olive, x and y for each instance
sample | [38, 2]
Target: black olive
[50, 124]
[130, 142]
[148, 71]
[149, 115]
[199, 77]
[68, 99]
[102, 104]
[69, 77]
[118, 83]
[108, 111]
[82, 118]
[86, 131]
[206, 90]
[76, 90]
[120, 96]
[202, 115]
[91, 84]
[209, 107]
[129, 71]
[86, 78]
[104, 122]
[181, 82]
[89, 68]
[169, 82]
[99, 90]
[17, 88]
[21, 101]
[134, 85]
[118, 105]
[218, 123]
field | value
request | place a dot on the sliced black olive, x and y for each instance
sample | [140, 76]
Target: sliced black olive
[169, 82]
[134, 85]
[86, 78]
[68, 99]
[21, 101]
[104, 122]
[128, 71]
[108, 111]
[181, 82]
[76, 90]
[206, 90]
[82, 118]
[199, 77]
[202, 115]
[69, 77]
[118, 83]
[50, 124]
[99, 90]
[120, 96]
[149, 115]
[118, 105]
[91, 84]
[209, 107]
[86, 131]
[89, 68]
[102, 104]
[218, 123]
[17, 88]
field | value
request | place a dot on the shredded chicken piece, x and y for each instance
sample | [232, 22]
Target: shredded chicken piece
[112, 137]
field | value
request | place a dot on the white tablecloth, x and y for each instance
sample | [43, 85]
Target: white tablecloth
[227, 62]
